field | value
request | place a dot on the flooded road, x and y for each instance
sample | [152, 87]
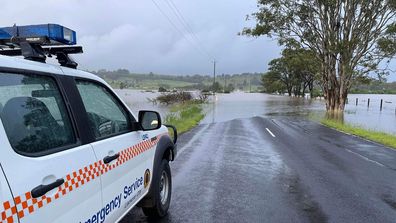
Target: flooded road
[278, 170]
[255, 159]
[226, 107]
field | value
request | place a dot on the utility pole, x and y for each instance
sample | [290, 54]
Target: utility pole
[214, 75]
[225, 83]
[250, 84]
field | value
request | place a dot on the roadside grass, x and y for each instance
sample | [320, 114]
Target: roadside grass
[379, 137]
[185, 116]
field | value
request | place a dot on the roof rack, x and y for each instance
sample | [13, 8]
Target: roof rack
[37, 42]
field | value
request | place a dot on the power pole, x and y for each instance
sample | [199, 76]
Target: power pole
[250, 84]
[225, 83]
[214, 74]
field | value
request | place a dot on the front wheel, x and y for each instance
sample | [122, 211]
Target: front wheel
[162, 191]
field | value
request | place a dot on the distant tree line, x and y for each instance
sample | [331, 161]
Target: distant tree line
[372, 86]
[123, 78]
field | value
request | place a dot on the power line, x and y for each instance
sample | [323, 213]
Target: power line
[178, 30]
[185, 24]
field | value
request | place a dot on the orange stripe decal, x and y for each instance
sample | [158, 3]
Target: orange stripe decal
[25, 204]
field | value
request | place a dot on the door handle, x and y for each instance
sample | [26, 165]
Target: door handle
[108, 159]
[43, 189]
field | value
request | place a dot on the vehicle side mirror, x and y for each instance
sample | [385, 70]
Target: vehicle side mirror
[149, 120]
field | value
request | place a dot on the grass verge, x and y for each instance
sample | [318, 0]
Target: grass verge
[185, 116]
[379, 137]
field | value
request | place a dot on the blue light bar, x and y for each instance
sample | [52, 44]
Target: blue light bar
[4, 35]
[57, 34]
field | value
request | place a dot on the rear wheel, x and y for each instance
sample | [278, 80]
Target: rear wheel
[162, 191]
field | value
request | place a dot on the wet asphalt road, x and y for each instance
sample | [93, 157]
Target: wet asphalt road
[279, 170]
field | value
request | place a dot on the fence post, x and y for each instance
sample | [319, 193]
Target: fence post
[368, 102]
[381, 105]
[357, 101]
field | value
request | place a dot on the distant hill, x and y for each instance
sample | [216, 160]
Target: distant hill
[123, 78]
[375, 87]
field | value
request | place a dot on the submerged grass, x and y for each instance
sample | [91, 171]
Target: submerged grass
[185, 116]
[379, 137]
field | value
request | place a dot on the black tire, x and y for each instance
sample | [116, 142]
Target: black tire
[161, 204]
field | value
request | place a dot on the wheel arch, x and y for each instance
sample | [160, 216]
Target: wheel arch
[165, 149]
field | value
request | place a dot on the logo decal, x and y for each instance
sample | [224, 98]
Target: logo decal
[146, 178]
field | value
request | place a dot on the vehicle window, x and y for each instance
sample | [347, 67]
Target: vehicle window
[106, 116]
[33, 113]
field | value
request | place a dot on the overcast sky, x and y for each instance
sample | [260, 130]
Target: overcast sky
[135, 34]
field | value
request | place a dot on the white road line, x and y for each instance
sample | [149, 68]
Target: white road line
[269, 131]
[365, 158]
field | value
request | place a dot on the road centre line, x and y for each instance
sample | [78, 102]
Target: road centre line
[269, 131]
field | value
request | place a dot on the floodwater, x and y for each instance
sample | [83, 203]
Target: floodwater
[242, 105]
[371, 116]
[225, 107]
[140, 100]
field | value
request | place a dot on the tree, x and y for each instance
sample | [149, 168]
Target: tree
[216, 87]
[230, 88]
[350, 38]
[280, 69]
[296, 71]
[123, 84]
[305, 68]
[271, 82]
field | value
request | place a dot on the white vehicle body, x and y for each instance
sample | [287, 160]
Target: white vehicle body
[90, 190]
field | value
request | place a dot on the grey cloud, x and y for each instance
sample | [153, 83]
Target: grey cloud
[136, 36]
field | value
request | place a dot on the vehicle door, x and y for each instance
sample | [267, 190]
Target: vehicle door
[124, 154]
[51, 172]
[8, 211]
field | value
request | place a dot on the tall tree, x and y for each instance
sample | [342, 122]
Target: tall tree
[350, 38]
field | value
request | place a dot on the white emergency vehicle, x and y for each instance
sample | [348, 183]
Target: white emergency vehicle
[71, 150]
